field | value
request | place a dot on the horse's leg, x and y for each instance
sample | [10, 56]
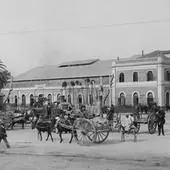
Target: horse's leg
[51, 136]
[60, 135]
[40, 135]
[12, 125]
[23, 125]
[72, 134]
[122, 137]
[48, 133]
[6, 142]
[135, 136]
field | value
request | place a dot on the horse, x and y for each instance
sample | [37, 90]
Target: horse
[44, 126]
[22, 119]
[3, 135]
[65, 126]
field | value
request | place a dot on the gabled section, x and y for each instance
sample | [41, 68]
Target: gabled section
[78, 63]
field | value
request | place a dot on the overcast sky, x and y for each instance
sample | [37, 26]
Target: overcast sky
[41, 32]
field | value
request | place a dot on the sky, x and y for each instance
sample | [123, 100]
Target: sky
[48, 32]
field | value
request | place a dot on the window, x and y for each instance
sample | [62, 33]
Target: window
[16, 100]
[49, 98]
[58, 97]
[149, 76]
[122, 99]
[69, 98]
[167, 75]
[150, 99]
[135, 99]
[31, 100]
[167, 99]
[91, 99]
[80, 100]
[23, 100]
[135, 76]
[121, 77]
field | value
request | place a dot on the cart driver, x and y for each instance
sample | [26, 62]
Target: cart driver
[127, 122]
[83, 112]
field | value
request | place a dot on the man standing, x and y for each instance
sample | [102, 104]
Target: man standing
[110, 116]
[161, 121]
[3, 134]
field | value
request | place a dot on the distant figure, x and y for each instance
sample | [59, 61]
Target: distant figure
[111, 115]
[161, 121]
[49, 110]
[3, 134]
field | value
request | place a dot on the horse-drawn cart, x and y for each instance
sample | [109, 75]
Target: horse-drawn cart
[148, 118]
[95, 130]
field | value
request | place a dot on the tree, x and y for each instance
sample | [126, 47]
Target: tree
[72, 83]
[87, 83]
[4, 77]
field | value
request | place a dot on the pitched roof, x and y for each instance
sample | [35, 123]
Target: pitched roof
[156, 54]
[97, 68]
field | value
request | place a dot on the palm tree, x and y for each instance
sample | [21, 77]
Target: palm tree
[87, 82]
[72, 83]
[4, 77]
[64, 85]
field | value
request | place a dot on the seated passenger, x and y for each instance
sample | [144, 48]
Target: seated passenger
[127, 122]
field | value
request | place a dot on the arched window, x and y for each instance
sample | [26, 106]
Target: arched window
[150, 99]
[80, 100]
[135, 76]
[69, 98]
[167, 75]
[23, 100]
[149, 76]
[49, 98]
[122, 99]
[16, 100]
[58, 97]
[135, 99]
[167, 99]
[31, 100]
[121, 77]
[91, 99]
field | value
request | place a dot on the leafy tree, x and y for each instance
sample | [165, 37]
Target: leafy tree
[4, 75]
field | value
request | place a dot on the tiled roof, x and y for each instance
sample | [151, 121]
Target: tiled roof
[98, 68]
[156, 54]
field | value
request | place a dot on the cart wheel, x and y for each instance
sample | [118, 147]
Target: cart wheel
[137, 125]
[100, 136]
[84, 131]
[152, 124]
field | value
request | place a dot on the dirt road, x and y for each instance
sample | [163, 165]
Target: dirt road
[150, 152]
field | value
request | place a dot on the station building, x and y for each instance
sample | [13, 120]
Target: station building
[80, 82]
[140, 79]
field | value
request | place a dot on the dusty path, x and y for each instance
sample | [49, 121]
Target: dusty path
[150, 152]
[37, 162]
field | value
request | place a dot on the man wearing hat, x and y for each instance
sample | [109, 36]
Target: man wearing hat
[161, 121]
[3, 135]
